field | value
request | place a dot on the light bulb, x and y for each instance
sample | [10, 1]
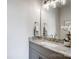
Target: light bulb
[46, 5]
[63, 2]
[53, 4]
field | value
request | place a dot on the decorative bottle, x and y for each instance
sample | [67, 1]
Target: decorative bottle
[44, 30]
[36, 29]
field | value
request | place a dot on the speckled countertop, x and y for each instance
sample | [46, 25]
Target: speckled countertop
[53, 46]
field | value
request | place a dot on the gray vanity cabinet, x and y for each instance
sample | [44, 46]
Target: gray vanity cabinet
[39, 52]
[35, 55]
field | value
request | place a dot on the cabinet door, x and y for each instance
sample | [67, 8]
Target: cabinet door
[33, 54]
[42, 57]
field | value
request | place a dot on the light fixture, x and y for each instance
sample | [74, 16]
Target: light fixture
[46, 4]
[53, 3]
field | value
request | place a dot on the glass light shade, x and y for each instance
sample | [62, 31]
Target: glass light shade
[46, 5]
[63, 2]
[53, 4]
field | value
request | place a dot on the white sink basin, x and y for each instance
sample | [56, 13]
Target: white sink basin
[48, 44]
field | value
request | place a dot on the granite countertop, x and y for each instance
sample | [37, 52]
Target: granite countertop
[53, 46]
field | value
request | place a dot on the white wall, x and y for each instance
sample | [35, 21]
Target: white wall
[65, 15]
[20, 17]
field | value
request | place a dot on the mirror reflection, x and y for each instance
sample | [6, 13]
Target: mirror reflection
[55, 18]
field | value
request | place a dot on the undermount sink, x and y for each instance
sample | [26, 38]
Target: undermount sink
[48, 44]
[53, 45]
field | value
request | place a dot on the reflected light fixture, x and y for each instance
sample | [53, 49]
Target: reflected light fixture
[63, 2]
[53, 3]
[46, 4]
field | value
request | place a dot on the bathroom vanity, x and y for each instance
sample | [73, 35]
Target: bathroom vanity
[44, 49]
[54, 23]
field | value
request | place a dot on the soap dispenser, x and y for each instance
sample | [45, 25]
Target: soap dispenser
[44, 30]
[36, 31]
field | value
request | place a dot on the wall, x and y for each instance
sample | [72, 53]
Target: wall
[20, 17]
[65, 15]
